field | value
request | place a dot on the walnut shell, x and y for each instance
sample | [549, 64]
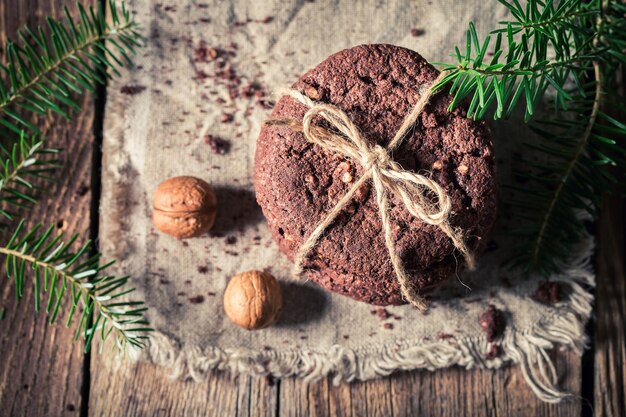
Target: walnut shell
[184, 207]
[253, 300]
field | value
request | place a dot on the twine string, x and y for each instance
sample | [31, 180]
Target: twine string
[416, 191]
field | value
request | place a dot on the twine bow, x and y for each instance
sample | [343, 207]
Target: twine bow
[414, 190]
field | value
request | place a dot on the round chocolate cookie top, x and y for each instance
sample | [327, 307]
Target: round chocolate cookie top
[297, 182]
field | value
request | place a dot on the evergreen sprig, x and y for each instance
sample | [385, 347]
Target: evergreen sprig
[48, 67]
[546, 47]
[24, 162]
[58, 274]
[568, 52]
[43, 74]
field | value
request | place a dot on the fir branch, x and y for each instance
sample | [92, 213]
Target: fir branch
[572, 50]
[79, 279]
[540, 242]
[41, 76]
[20, 165]
[43, 72]
[521, 66]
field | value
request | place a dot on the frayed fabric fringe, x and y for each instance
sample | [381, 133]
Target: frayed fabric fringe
[526, 347]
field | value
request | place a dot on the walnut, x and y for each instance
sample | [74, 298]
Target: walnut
[253, 300]
[184, 207]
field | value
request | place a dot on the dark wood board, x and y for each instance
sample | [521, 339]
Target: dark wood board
[41, 369]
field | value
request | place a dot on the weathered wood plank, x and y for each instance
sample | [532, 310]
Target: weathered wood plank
[610, 341]
[142, 389]
[451, 392]
[41, 369]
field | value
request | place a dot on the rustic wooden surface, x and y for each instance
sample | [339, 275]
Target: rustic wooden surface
[41, 370]
[43, 374]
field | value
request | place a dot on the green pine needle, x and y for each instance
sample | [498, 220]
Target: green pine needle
[26, 161]
[569, 51]
[44, 72]
[74, 284]
[547, 46]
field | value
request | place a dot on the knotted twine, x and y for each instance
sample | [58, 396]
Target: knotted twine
[387, 177]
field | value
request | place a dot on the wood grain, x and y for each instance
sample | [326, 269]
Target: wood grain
[610, 341]
[142, 389]
[41, 369]
[452, 392]
[610, 319]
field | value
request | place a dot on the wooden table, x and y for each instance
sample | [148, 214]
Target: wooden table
[42, 373]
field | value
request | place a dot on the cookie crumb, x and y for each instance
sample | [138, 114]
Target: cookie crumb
[203, 269]
[382, 313]
[197, 299]
[388, 326]
[494, 351]
[415, 32]
[131, 90]
[548, 292]
[218, 146]
[204, 53]
[492, 322]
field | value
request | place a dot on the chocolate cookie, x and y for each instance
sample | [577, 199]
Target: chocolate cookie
[297, 183]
